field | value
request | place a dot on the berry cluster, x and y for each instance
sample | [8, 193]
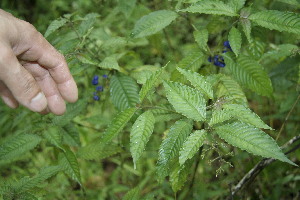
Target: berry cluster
[99, 88]
[219, 60]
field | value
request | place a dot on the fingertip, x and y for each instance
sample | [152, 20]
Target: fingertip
[38, 103]
[69, 91]
[56, 105]
[12, 103]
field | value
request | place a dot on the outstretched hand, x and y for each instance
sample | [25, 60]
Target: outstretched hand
[32, 72]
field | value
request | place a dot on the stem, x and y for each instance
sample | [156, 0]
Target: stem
[250, 176]
[288, 116]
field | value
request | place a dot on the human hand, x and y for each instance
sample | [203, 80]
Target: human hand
[32, 72]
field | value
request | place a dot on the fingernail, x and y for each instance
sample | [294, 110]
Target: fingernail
[38, 103]
[9, 102]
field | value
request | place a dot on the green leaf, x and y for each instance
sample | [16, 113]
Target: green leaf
[133, 194]
[73, 110]
[86, 59]
[114, 43]
[179, 174]
[165, 113]
[279, 53]
[277, 20]
[245, 115]
[230, 88]
[199, 82]
[256, 49]
[219, 116]
[124, 92]
[150, 83]
[246, 25]
[186, 100]
[237, 4]
[251, 139]
[235, 40]
[140, 134]
[213, 7]
[153, 22]
[87, 24]
[117, 124]
[110, 62]
[192, 62]
[55, 25]
[191, 145]
[201, 37]
[97, 150]
[126, 6]
[69, 163]
[250, 73]
[18, 146]
[54, 136]
[291, 2]
[170, 146]
[27, 183]
[71, 135]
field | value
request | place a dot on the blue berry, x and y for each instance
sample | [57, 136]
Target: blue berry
[96, 77]
[99, 88]
[95, 82]
[96, 98]
[224, 51]
[104, 76]
[227, 44]
[221, 64]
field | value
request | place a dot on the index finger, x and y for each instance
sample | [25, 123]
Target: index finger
[41, 51]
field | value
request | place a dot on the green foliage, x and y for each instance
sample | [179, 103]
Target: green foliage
[168, 130]
[191, 145]
[276, 20]
[251, 74]
[251, 139]
[124, 92]
[214, 7]
[235, 39]
[140, 134]
[18, 145]
[169, 149]
[186, 100]
[153, 22]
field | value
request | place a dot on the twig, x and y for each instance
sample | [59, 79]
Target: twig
[288, 116]
[250, 176]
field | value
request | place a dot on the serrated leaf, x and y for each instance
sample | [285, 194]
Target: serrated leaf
[87, 24]
[213, 7]
[150, 83]
[18, 146]
[55, 25]
[256, 48]
[124, 92]
[199, 82]
[96, 150]
[251, 74]
[86, 59]
[165, 113]
[191, 145]
[237, 4]
[246, 25]
[71, 135]
[186, 100]
[69, 163]
[169, 149]
[114, 43]
[140, 134]
[117, 124]
[245, 115]
[201, 37]
[219, 116]
[133, 194]
[73, 110]
[153, 22]
[27, 183]
[278, 53]
[230, 88]
[179, 174]
[110, 62]
[192, 62]
[291, 2]
[235, 40]
[251, 139]
[277, 20]
[54, 136]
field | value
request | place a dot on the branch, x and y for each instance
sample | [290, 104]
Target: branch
[250, 176]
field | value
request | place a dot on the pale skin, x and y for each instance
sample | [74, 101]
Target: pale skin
[32, 72]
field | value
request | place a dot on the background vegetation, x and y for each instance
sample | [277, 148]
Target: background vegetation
[76, 156]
